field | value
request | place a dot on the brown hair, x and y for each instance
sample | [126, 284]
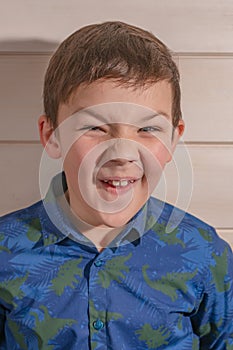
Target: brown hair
[116, 50]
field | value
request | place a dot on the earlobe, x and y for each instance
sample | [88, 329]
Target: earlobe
[178, 132]
[48, 138]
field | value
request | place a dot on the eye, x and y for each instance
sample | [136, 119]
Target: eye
[90, 128]
[149, 129]
[94, 128]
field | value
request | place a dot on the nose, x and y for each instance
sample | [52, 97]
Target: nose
[121, 151]
[120, 161]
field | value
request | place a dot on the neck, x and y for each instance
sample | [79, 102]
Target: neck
[101, 236]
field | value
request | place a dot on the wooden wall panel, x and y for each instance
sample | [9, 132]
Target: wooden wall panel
[227, 235]
[21, 95]
[211, 198]
[192, 26]
[19, 175]
[207, 97]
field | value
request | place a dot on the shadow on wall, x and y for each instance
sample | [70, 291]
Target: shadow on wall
[30, 45]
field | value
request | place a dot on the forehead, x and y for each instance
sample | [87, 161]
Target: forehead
[106, 97]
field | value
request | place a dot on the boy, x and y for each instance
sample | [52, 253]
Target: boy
[95, 265]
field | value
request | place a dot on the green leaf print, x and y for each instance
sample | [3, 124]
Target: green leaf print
[153, 338]
[2, 248]
[179, 323]
[168, 238]
[11, 289]
[229, 346]
[49, 327]
[195, 344]
[205, 234]
[94, 345]
[169, 284]
[66, 276]
[205, 329]
[211, 328]
[34, 230]
[15, 329]
[219, 271]
[114, 270]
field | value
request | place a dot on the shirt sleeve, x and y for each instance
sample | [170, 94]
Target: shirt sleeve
[213, 322]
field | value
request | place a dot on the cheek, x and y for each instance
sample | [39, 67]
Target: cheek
[74, 156]
[162, 154]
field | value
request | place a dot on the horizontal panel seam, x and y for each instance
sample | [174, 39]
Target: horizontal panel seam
[207, 143]
[226, 229]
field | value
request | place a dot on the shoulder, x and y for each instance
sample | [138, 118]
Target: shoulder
[187, 226]
[174, 216]
[18, 216]
[20, 223]
[181, 234]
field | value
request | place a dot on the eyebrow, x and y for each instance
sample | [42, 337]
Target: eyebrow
[101, 118]
[154, 115]
[89, 112]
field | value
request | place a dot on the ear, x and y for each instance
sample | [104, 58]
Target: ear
[178, 132]
[48, 138]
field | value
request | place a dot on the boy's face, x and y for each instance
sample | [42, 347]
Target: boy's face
[114, 142]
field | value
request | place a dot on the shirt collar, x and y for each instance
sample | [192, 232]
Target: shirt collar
[56, 223]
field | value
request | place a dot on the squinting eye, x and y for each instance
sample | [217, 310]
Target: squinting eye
[149, 129]
[92, 128]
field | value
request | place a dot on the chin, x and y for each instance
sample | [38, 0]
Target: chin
[119, 219]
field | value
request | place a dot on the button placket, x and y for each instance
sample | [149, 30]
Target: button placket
[97, 300]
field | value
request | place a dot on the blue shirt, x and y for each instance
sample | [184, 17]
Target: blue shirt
[151, 289]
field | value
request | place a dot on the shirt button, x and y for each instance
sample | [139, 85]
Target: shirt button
[98, 325]
[98, 263]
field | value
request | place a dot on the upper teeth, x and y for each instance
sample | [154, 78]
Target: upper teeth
[117, 183]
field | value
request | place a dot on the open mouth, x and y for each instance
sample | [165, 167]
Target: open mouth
[119, 183]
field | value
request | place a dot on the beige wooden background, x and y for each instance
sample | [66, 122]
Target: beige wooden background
[207, 102]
